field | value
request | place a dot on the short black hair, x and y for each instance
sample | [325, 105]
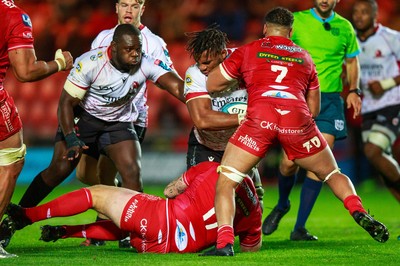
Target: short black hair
[211, 40]
[373, 4]
[125, 29]
[279, 16]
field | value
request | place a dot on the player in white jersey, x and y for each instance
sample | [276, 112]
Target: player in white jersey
[215, 116]
[89, 171]
[380, 79]
[104, 112]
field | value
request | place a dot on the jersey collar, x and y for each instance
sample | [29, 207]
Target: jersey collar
[315, 15]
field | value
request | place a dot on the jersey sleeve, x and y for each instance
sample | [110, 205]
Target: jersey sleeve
[153, 68]
[230, 68]
[20, 32]
[82, 72]
[352, 49]
[195, 84]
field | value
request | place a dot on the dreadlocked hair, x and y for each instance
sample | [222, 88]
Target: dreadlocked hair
[211, 40]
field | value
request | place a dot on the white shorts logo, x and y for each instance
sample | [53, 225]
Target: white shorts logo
[181, 236]
[339, 125]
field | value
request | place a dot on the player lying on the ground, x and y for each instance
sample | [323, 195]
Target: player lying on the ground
[184, 222]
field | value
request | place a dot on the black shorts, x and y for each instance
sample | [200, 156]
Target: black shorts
[198, 153]
[388, 117]
[98, 134]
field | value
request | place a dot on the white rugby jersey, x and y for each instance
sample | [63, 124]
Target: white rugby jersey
[379, 58]
[109, 92]
[152, 45]
[195, 82]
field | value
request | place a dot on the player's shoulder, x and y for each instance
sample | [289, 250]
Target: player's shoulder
[14, 14]
[91, 59]
[344, 22]
[152, 37]
[149, 62]
[194, 71]
[388, 32]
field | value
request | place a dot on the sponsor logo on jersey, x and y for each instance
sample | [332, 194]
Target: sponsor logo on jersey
[274, 127]
[48, 213]
[220, 102]
[235, 108]
[143, 233]
[335, 31]
[339, 125]
[26, 20]
[249, 142]
[188, 80]
[291, 49]
[280, 58]
[78, 67]
[279, 94]
[314, 142]
[27, 35]
[160, 234]
[96, 56]
[131, 210]
[162, 65]
[181, 237]
[8, 3]
[211, 158]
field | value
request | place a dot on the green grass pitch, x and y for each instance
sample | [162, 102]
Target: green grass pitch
[341, 240]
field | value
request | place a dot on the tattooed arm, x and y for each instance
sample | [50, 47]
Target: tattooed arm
[175, 188]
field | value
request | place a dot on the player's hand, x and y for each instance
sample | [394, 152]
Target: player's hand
[376, 88]
[74, 146]
[64, 60]
[354, 101]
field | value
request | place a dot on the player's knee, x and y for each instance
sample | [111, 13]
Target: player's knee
[378, 139]
[328, 176]
[231, 173]
[9, 156]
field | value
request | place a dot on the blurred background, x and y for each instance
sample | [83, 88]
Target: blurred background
[72, 25]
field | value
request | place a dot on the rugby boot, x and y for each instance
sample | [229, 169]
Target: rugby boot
[376, 229]
[225, 251]
[271, 223]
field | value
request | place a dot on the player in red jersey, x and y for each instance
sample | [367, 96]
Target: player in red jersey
[284, 96]
[17, 50]
[184, 222]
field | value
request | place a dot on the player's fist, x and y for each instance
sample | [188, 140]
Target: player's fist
[63, 59]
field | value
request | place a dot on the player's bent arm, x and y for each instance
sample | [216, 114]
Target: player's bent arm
[251, 249]
[65, 110]
[204, 117]
[313, 99]
[175, 187]
[27, 68]
[217, 81]
[172, 83]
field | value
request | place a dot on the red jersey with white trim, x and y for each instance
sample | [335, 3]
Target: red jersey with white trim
[277, 75]
[152, 45]
[15, 33]
[273, 68]
[190, 223]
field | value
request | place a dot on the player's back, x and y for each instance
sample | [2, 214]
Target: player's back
[193, 224]
[273, 68]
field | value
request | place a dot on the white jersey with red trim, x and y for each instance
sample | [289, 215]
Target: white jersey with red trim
[110, 92]
[195, 86]
[379, 59]
[152, 45]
